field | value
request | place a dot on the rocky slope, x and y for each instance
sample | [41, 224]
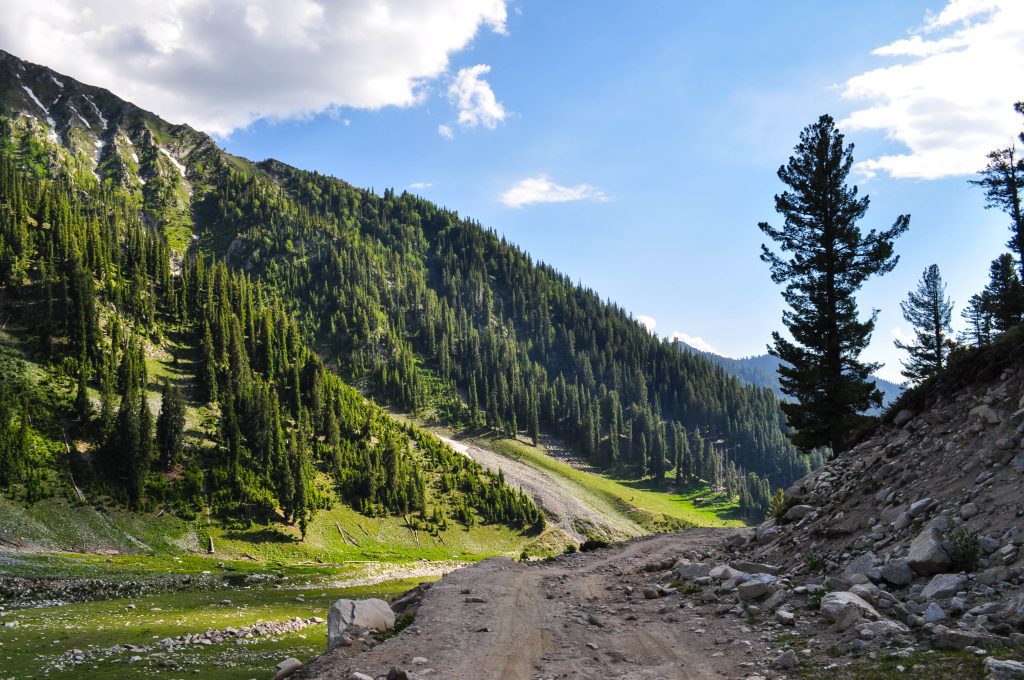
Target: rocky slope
[900, 557]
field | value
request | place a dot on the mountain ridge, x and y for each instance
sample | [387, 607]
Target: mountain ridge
[413, 304]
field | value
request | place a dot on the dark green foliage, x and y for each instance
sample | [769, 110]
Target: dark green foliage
[825, 259]
[1003, 183]
[170, 425]
[966, 546]
[928, 310]
[1004, 294]
[289, 435]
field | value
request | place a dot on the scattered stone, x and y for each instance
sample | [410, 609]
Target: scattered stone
[785, 661]
[786, 618]
[968, 510]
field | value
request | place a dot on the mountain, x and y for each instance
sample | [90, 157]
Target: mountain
[762, 371]
[275, 291]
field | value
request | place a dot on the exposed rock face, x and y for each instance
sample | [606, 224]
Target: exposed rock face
[372, 614]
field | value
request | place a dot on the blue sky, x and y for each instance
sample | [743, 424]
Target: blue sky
[660, 125]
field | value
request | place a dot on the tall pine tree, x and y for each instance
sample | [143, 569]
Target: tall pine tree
[825, 259]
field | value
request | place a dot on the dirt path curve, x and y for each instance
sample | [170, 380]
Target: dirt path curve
[568, 619]
[557, 497]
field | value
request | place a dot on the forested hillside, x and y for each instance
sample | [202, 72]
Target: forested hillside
[123, 236]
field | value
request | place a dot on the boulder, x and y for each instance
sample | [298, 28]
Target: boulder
[845, 609]
[934, 613]
[859, 566]
[968, 510]
[374, 614]
[798, 512]
[903, 417]
[723, 572]
[897, 572]
[997, 669]
[755, 567]
[921, 506]
[885, 628]
[926, 555]
[786, 618]
[785, 661]
[944, 585]
[685, 570]
[756, 586]
[287, 667]
[766, 533]
[947, 638]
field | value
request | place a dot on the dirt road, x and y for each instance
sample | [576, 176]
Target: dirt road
[573, 618]
[559, 498]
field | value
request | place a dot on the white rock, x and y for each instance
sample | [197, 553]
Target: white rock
[844, 609]
[373, 613]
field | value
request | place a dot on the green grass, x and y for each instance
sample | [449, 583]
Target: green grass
[42, 634]
[632, 498]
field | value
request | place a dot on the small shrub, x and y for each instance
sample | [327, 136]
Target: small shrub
[593, 544]
[965, 548]
[814, 597]
[815, 563]
[777, 505]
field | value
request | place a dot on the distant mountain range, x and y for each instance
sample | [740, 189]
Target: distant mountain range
[763, 371]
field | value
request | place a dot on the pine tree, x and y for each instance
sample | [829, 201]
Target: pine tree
[207, 371]
[979, 321]
[928, 310]
[1003, 182]
[829, 259]
[170, 425]
[1004, 295]
[83, 406]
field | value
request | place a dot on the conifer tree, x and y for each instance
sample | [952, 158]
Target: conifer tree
[170, 424]
[825, 259]
[928, 310]
[1004, 295]
[1003, 183]
[979, 321]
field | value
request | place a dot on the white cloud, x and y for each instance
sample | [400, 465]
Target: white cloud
[949, 100]
[897, 333]
[445, 132]
[221, 64]
[541, 189]
[647, 322]
[475, 99]
[421, 185]
[694, 341]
